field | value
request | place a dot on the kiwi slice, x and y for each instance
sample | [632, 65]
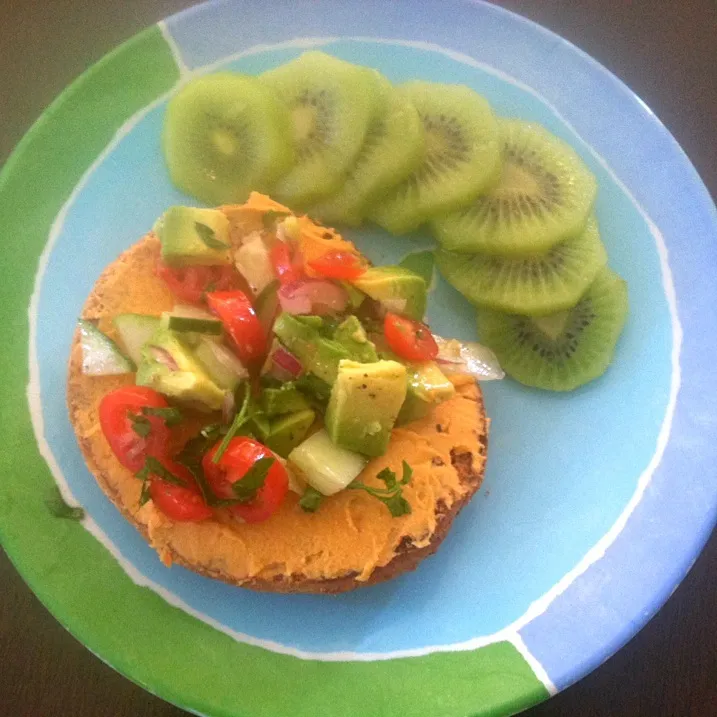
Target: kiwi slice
[564, 350]
[534, 284]
[543, 196]
[462, 156]
[331, 104]
[225, 135]
[392, 149]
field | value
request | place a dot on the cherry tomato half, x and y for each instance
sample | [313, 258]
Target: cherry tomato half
[241, 322]
[338, 265]
[241, 454]
[286, 270]
[189, 283]
[180, 503]
[116, 411]
[411, 340]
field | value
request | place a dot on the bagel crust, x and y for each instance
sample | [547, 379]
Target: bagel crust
[350, 541]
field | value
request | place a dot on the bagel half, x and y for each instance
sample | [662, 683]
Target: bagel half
[350, 541]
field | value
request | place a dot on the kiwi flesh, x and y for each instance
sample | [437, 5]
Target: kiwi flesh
[393, 148]
[462, 156]
[544, 195]
[535, 284]
[225, 135]
[567, 349]
[331, 104]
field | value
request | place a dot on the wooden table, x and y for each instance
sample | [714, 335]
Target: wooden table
[667, 53]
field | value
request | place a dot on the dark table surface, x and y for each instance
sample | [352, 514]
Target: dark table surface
[666, 51]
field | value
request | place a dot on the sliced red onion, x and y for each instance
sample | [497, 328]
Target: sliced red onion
[164, 357]
[312, 296]
[287, 361]
[468, 357]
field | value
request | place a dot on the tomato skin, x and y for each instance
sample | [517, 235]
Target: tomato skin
[180, 503]
[189, 283]
[241, 454]
[284, 268]
[338, 265]
[411, 340]
[130, 448]
[241, 322]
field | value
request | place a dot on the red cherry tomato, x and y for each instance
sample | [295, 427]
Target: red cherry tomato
[339, 265]
[241, 322]
[411, 340]
[285, 269]
[189, 283]
[130, 447]
[180, 503]
[241, 454]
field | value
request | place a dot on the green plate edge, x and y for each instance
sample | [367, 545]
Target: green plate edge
[160, 647]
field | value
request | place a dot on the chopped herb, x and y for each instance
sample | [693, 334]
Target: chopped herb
[315, 387]
[239, 420]
[213, 431]
[211, 286]
[270, 218]
[265, 294]
[170, 416]
[207, 235]
[60, 509]
[246, 488]
[191, 458]
[154, 467]
[144, 496]
[311, 500]
[140, 424]
[392, 495]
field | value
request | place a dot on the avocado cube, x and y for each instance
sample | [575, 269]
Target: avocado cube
[169, 366]
[194, 236]
[351, 334]
[287, 432]
[365, 401]
[398, 289]
[427, 386]
[286, 399]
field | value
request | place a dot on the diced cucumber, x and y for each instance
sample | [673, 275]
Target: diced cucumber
[212, 327]
[324, 465]
[135, 331]
[100, 354]
[220, 363]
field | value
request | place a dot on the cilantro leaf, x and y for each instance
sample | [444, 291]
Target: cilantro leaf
[144, 496]
[171, 416]
[270, 218]
[60, 509]
[239, 420]
[311, 500]
[140, 424]
[392, 495]
[207, 235]
[246, 488]
[154, 467]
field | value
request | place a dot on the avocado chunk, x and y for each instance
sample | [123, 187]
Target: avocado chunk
[317, 354]
[169, 366]
[427, 386]
[364, 404]
[285, 399]
[194, 236]
[283, 434]
[398, 289]
[351, 334]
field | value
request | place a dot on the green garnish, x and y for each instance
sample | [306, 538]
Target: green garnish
[140, 424]
[60, 509]
[315, 387]
[153, 467]
[144, 496]
[311, 500]
[246, 488]
[207, 235]
[270, 218]
[265, 294]
[239, 420]
[392, 495]
[171, 416]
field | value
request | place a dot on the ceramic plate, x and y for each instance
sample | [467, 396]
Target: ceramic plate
[595, 503]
